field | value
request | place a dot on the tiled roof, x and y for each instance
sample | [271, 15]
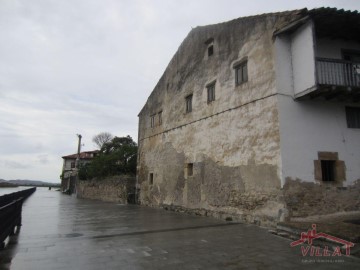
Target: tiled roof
[336, 23]
[83, 155]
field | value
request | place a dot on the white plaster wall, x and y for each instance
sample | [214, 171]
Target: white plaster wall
[67, 164]
[283, 65]
[329, 48]
[303, 58]
[307, 127]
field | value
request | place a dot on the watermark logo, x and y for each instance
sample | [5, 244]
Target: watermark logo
[310, 250]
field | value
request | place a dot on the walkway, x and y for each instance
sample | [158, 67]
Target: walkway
[62, 232]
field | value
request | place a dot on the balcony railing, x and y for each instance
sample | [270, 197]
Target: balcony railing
[338, 72]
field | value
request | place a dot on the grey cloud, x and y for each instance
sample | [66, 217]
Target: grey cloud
[13, 164]
[86, 66]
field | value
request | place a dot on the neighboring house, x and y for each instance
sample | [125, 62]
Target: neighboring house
[257, 118]
[69, 170]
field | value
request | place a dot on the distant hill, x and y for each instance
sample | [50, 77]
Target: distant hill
[4, 183]
[36, 183]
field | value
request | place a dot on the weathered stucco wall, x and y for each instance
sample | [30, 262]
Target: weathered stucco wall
[230, 157]
[232, 142]
[112, 189]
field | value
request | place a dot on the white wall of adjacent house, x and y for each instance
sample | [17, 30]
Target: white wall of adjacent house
[295, 61]
[283, 65]
[67, 164]
[303, 58]
[309, 127]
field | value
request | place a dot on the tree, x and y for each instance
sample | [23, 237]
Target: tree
[117, 156]
[102, 138]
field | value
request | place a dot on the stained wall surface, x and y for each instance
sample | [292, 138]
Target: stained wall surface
[223, 156]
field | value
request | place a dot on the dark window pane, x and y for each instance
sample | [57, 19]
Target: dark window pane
[328, 170]
[211, 50]
[241, 73]
[211, 93]
[188, 101]
[353, 117]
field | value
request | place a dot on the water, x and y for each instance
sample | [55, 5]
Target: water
[9, 190]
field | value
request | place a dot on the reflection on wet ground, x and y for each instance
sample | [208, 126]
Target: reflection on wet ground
[62, 232]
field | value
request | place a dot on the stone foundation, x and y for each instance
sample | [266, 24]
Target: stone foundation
[113, 189]
[305, 199]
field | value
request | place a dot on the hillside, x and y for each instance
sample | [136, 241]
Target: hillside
[19, 182]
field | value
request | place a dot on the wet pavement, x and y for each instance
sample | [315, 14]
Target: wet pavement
[62, 232]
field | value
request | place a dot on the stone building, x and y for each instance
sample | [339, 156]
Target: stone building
[257, 119]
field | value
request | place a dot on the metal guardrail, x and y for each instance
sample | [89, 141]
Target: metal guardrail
[338, 72]
[10, 212]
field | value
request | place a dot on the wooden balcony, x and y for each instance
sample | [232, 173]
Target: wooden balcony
[336, 80]
[337, 72]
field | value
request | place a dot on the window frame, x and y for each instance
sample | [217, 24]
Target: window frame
[352, 117]
[210, 92]
[151, 179]
[189, 170]
[241, 72]
[152, 120]
[188, 103]
[160, 118]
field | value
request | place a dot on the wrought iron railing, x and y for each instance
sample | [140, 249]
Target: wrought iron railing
[337, 72]
[10, 212]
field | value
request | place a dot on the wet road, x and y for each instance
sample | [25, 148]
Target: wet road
[62, 232]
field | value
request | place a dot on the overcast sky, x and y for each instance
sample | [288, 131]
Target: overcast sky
[72, 67]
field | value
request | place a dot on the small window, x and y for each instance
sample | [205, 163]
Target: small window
[160, 118]
[210, 50]
[241, 73]
[72, 165]
[151, 178]
[190, 169]
[188, 101]
[353, 117]
[211, 92]
[328, 170]
[152, 121]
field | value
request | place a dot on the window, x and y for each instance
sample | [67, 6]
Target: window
[211, 50]
[160, 117]
[353, 117]
[151, 178]
[210, 46]
[190, 169]
[72, 165]
[210, 92]
[328, 170]
[241, 73]
[188, 101]
[152, 121]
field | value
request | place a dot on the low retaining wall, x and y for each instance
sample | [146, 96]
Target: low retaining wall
[308, 199]
[113, 189]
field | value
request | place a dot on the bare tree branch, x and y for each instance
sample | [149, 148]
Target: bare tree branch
[102, 138]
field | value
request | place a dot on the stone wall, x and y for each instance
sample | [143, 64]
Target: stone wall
[232, 143]
[112, 189]
[309, 199]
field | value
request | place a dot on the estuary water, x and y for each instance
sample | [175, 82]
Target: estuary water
[8, 190]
